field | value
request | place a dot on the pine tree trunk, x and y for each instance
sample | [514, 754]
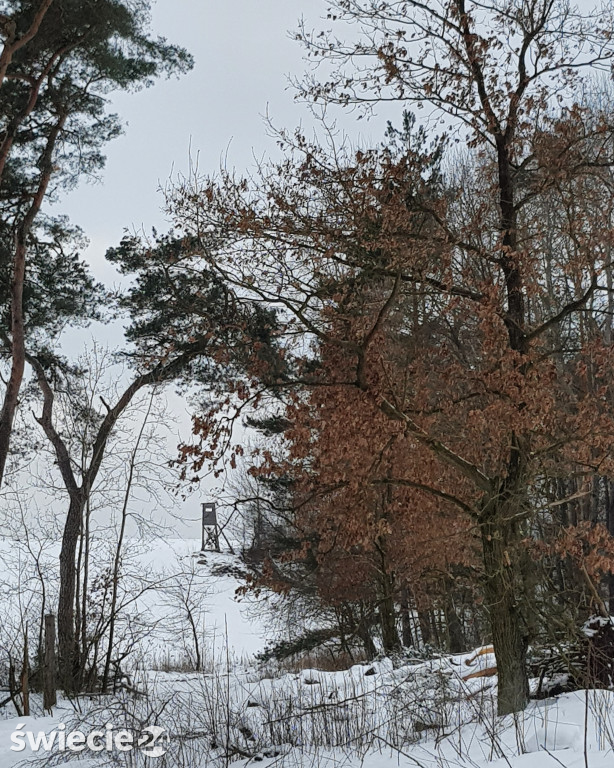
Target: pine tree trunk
[18, 277]
[67, 650]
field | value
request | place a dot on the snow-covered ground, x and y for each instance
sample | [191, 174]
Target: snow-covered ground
[432, 714]
[227, 623]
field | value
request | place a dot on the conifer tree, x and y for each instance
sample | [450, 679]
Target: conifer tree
[60, 61]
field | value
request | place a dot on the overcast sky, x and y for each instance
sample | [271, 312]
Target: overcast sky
[243, 54]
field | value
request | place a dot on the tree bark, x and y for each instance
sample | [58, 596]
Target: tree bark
[609, 504]
[503, 591]
[13, 43]
[363, 631]
[24, 677]
[49, 665]
[390, 634]
[386, 606]
[456, 639]
[18, 342]
[387, 613]
[426, 630]
[406, 633]
[67, 642]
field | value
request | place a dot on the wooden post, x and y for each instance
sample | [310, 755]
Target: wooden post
[202, 548]
[24, 677]
[49, 665]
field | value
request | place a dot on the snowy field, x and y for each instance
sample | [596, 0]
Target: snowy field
[164, 584]
[438, 713]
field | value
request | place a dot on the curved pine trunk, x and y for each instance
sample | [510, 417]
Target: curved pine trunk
[68, 656]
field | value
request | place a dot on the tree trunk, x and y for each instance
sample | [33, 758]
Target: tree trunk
[117, 561]
[24, 678]
[387, 613]
[12, 43]
[11, 394]
[406, 633]
[363, 631]
[390, 635]
[49, 665]
[18, 277]
[81, 626]
[454, 628]
[68, 656]
[426, 630]
[503, 582]
[499, 526]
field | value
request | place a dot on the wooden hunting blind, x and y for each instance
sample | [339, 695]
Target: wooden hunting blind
[211, 531]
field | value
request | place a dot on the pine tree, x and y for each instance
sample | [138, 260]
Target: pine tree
[60, 61]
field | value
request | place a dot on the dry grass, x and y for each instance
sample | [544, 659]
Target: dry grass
[321, 660]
